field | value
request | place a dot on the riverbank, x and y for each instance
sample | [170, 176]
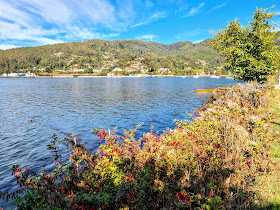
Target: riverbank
[219, 160]
[94, 76]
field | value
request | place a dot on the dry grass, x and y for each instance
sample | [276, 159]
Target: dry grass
[270, 191]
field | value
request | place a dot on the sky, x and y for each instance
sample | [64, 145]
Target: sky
[44, 22]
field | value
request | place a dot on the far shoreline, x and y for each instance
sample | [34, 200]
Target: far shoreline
[139, 76]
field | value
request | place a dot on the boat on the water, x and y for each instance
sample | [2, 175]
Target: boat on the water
[205, 90]
[196, 76]
[221, 90]
[215, 76]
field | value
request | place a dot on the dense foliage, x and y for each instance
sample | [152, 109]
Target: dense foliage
[251, 51]
[95, 54]
[214, 162]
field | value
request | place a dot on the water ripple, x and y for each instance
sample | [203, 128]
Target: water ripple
[31, 110]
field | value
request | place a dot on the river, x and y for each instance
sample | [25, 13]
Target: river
[32, 109]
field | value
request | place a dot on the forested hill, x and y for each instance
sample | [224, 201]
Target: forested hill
[95, 53]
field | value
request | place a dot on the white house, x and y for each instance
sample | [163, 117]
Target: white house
[110, 74]
[117, 69]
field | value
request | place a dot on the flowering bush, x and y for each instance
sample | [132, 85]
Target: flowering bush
[212, 162]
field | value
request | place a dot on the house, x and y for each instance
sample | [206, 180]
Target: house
[78, 70]
[110, 74]
[117, 69]
[136, 65]
[130, 69]
[144, 70]
[96, 70]
[13, 75]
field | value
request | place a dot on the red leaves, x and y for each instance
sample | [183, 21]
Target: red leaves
[130, 176]
[179, 196]
[185, 195]
[174, 143]
[217, 146]
[101, 134]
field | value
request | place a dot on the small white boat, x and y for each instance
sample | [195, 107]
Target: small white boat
[196, 76]
[215, 76]
[229, 77]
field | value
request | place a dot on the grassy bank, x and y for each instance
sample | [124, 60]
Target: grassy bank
[271, 189]
[225, 158]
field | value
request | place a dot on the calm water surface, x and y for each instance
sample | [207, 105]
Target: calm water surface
[78, 105]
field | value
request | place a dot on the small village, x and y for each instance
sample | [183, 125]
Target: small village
[110, 67]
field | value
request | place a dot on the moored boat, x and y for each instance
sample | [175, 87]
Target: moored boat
[205, 90]
[221, 90]
[215, 76]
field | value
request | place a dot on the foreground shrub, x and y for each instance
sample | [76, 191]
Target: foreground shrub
[212, 162]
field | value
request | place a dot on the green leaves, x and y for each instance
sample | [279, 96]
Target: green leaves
[250, 51]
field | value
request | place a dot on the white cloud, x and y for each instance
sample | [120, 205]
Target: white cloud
[96, 11]
[15, 32]
[80, 33]
[197, 41]
[8, 46]
[52, 11]
[196, 10]
[149, 4]
[126, 9]
[220, 5]
[13, 14]
[182, 8]
[147, 37]
[156, 16]
[52, 21]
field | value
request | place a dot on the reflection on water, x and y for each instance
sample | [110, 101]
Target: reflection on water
[78, 105]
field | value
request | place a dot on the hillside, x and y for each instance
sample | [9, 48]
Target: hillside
[101, 54]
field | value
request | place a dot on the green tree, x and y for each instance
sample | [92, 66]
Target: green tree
[250, 51]
[48, 69]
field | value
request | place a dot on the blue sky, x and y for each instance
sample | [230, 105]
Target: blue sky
[41, 22]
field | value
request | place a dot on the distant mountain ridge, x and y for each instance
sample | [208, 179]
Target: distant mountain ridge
[94, 52]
